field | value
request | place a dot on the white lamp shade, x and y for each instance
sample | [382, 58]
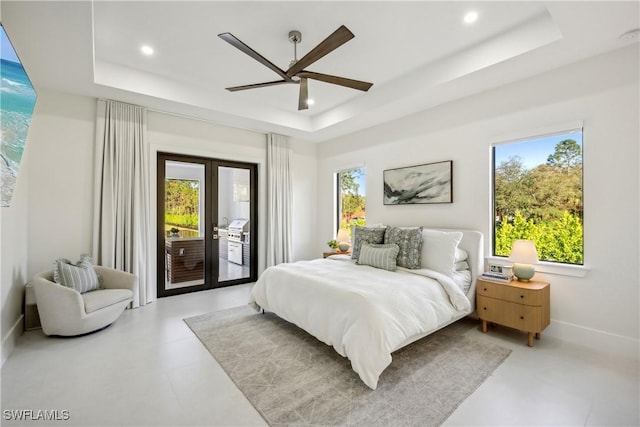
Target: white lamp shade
[523, 252]
[343, 236]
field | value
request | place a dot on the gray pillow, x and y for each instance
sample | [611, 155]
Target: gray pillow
[365, 234]
[378, 256]
[80, 276]
[409, 240]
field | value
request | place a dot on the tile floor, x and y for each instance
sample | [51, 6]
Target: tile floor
[148, 369]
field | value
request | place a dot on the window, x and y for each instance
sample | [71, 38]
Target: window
[537, 195]
[351, 198]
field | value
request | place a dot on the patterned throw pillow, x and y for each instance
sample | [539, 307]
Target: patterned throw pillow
[365, 234]
[379, 256]
[80, 276]
[409, 240]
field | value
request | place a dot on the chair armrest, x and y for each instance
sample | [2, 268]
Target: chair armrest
[51, 295]
[116, 279]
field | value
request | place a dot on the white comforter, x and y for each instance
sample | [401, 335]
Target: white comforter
[363, 312]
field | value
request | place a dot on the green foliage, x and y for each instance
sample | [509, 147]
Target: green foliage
[567, 155]
[560, 240]
[353, 204]
[333, 244]
[186, 221]
[360, 222]
[348, 182]
[182, 203]
[543, 204]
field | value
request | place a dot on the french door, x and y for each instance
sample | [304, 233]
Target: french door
[207, 223]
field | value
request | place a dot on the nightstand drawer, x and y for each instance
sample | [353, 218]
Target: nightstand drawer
[510, 293]
[518, 316]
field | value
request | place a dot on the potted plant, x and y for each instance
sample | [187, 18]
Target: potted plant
[174, 232]
[333, 244]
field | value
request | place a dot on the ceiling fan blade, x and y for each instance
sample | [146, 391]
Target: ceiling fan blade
[257, 85]
[342, 81]
[334, 41]
[235, 42]
[304, 95]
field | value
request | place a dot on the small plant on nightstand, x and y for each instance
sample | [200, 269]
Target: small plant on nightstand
[333, 244]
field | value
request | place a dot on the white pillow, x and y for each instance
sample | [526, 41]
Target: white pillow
[461, 265]
[439, 250]
[461, 255]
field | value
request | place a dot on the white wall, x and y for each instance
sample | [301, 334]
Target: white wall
[50, 215]
[13, 258]
[603, 92]
[61, 157]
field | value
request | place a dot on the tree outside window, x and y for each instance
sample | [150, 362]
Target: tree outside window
[351, 198]
[182, 206]
[538, 196]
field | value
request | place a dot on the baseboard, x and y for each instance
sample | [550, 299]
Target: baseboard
[9, 342]
[595, 339]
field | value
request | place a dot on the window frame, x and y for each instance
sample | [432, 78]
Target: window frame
[338, 194]
[551, 267]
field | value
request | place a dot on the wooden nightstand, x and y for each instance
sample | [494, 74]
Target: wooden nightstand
[326, 254]
[520, 305]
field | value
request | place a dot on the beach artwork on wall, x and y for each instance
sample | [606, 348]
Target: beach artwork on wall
[429, 183]
[17, 99]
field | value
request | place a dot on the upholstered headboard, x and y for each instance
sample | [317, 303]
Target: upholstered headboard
[472, 242]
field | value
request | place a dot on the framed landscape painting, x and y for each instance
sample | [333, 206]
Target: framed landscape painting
[429, 183]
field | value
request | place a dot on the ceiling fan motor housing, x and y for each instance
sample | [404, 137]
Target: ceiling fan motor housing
[295, 36]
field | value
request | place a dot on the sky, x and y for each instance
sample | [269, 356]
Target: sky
[533, 152]
[6, 49]
[362, 190]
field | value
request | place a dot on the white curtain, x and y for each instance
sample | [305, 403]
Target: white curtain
[121, 232]
[279, 200]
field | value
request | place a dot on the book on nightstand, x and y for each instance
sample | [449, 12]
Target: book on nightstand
[496, 277]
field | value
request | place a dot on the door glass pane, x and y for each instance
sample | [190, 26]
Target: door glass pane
[184, 224]
[234, 224]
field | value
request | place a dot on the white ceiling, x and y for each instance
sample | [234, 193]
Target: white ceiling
[418, 54]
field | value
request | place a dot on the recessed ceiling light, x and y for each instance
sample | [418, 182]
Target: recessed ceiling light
[471, 17]
[146, 49]
[310, 101]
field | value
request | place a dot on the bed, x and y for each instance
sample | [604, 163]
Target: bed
[367, 313]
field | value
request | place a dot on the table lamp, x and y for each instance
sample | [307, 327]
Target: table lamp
[523, 255]
[343, 240]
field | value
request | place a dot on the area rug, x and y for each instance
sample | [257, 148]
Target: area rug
[292, 378]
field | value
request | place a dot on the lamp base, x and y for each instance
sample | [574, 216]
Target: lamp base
[524, 272]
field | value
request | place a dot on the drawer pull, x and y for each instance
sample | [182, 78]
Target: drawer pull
[522, 317]
[485, 308]
[521, 296]
[485, 289]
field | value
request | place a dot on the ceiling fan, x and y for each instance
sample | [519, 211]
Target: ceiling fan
[296, 73]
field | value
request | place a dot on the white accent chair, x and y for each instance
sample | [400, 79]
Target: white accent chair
[66, 312]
